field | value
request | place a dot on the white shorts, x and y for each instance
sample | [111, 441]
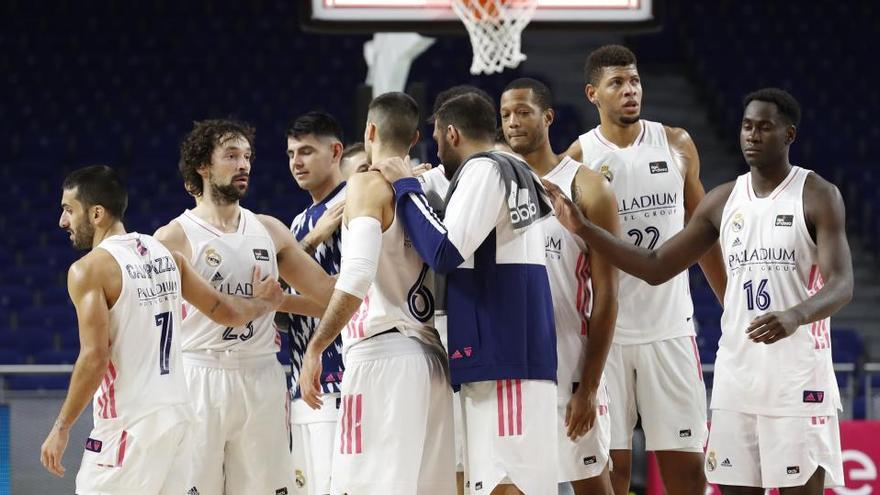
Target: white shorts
[458, 425]
[395, 433]
[588, 455]
[148, 456]
[510, 435]
[440, 321]
[663, 383]
[242, 435]
[772, 451]
[313, 433]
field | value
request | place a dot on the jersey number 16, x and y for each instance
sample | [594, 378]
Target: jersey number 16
[759, 297]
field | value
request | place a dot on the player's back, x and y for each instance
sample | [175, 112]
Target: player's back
[226, 261]
[568, 268]
[400, 296]
[145, 371]
[772, 265]
[649, 187]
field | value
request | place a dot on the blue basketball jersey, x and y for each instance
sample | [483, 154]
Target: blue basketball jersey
[301, 328]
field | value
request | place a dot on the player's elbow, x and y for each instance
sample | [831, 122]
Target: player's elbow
[657, 279]
[445, 260]
[231, 316]
[846, 293]
[94, 357]
[231, 312]
[326, 292]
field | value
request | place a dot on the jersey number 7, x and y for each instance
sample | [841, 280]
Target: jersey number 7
[165, 321]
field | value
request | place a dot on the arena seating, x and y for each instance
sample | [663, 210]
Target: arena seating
[92, 83]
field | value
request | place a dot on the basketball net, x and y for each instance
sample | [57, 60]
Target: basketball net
[495, 28]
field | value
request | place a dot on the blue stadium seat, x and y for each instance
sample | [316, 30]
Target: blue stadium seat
[34, 340]
[38, 382]
[69, 338]
[34, 276]
[6, 256]
[61, 356]
[50, 318]
[9, 356]
[57, 258]
[13, 298]
[56, 296]
[847, 345]
[708, 336]
[8, 339]
[859, 403]
[707, 314]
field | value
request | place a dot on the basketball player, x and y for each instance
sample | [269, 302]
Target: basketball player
[314, 149]
[502, 344]
[354, 159]
[584, 288]
[237, 384]
[127, 293]
[436, 185]
[395, 429]
[654, 171]
[775, 396]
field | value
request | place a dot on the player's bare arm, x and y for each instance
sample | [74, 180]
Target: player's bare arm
[324, 228]
[575, 151]
[301, 305]
[222, 308]
[94, 283]
[685, 153]
[826, 219]
[594, 197]
[296, 267]
[369, 196]
[174, 238]
[653, 266]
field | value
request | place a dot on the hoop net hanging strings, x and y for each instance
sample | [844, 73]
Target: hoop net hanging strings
[495, 28]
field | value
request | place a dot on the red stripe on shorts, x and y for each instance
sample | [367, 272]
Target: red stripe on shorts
[120, 456]
[519, 407]
[697, 356]
[510, 430]
[343, 426]
[357, 425]
[500, 391]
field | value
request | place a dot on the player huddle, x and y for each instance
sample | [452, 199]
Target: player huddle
[464, 327]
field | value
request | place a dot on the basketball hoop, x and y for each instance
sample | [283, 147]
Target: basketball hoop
[495, 27]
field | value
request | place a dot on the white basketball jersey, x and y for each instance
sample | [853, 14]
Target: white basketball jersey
[226, 261]
[145, 372]
[650, 201]
[400, 296]
[772, 265]
[568, 268]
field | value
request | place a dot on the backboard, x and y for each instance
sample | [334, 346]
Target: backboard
[437, 17]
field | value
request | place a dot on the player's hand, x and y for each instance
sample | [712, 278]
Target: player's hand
[267, 290]
[53, 450]
[327, 224]
[421, 168]
[568, 214]
[580, 413]
[393, 168]
[772, 327]
[310, 379]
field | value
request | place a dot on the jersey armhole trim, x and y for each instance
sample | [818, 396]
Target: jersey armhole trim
[123, 285]
[802, 212]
